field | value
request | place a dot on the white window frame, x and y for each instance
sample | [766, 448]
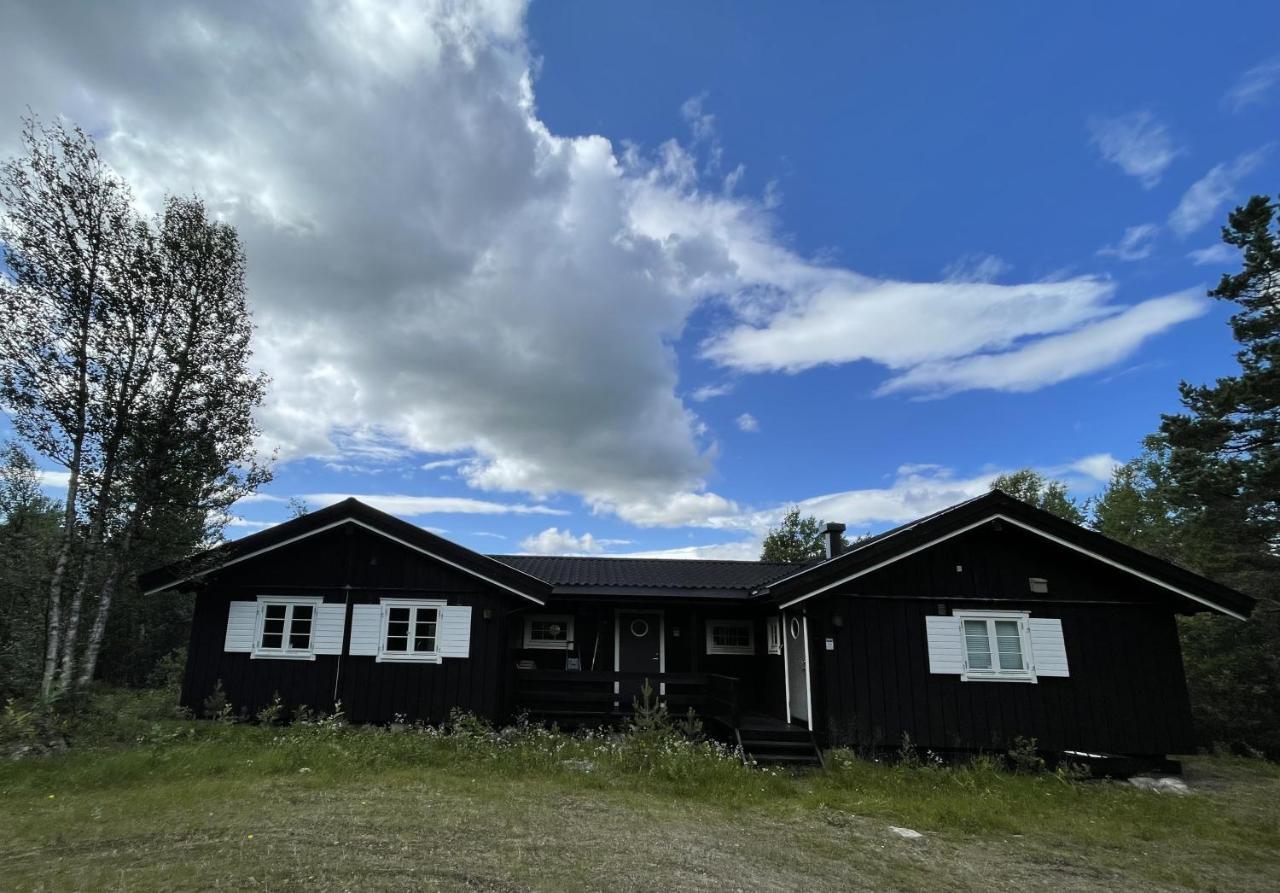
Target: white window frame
[773, 634]
[549, 644]
[284, 652]
[748, 625]
[410, 656]
[995, 674]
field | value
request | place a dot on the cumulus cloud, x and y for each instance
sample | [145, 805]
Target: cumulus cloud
[748, 422]
[1137, 143]
[432, 269]
[1254, 86]
[415, 506]
[1137, 243]
[1221, 253]
[554, 541]
[1205, 198]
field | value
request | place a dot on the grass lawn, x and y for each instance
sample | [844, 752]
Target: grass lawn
[195, 805]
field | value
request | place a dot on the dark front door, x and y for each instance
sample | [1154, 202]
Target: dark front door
[639, 651]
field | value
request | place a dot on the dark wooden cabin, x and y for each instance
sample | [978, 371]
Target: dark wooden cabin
[962, 631]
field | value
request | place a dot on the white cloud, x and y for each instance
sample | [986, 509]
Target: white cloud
[710, 392]
[1051, 360]
[1137, 243]
[554, 541]
[56, 481]
[1205, 198]
[953, 336]
[746, 550]
[1137, 143]
[414, 506]
[673, 510]
[442, 463]
[1097, 467]
[1221, 253]
[432, 269]
[246, 524]
[975, 268]
[1254, 86]
[747, 422]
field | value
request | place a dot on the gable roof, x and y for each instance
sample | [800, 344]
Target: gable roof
[701, 578]
[875, 552]
[348, 511]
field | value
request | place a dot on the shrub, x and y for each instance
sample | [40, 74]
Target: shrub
[1024, 758]
[216, 706]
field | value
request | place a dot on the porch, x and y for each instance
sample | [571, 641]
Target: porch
[573, 698]
[578, 698]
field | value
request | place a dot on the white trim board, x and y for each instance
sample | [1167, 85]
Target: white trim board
[1049, 536]
[358, 523]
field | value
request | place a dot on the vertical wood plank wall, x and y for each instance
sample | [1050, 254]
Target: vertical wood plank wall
[1126, 692]
[373, 567]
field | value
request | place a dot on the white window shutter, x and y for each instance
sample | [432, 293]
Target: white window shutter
[946, 645]
[366, 629]
[242, 626]
[330, 624]
[1048, 650]
[455, 631]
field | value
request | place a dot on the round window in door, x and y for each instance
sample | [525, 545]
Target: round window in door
[795, 627]
[639, 628]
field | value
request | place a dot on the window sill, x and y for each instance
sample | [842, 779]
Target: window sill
[282, 655]
[994, 677]
[547, 646]
[409, 659]
[740, 652]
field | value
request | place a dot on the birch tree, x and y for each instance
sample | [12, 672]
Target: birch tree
[66, 216]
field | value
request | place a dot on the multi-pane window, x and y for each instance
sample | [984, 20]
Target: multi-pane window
[995, 646]
[730, 637]
[411, 630]
[285, 627]
[773, 632]
[546, 631]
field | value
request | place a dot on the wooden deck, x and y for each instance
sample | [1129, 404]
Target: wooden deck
[573, 697]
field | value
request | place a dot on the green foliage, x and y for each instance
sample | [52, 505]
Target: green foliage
[1035, 489]
[274, 713]
[796, 539]
[216, 706]
[29, 525]
[1024, 756]
[1208, 495]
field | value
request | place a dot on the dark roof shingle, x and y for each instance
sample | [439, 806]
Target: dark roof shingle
[648, 573]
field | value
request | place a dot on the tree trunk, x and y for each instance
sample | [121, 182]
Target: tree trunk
[59, 572]
[119, 561]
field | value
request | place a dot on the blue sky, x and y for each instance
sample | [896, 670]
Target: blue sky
[617, 279]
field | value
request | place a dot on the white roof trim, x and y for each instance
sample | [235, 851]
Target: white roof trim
[358, 523]
[1024, 526]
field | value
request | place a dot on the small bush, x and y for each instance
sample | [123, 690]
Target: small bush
[1024, 757]
[216, 706]
[273, 714]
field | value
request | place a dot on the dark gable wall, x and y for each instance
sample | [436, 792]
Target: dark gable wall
[1126, 692]
[374, 567]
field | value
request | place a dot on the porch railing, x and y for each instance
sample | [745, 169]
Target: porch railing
[587, 696]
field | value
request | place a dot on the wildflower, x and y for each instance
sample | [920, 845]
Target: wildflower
[51, 796]
[250, 837]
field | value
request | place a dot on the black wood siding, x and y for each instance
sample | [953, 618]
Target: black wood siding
[351, 565]
[1126, 692]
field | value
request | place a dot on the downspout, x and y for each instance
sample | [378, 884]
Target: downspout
[346, 638]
